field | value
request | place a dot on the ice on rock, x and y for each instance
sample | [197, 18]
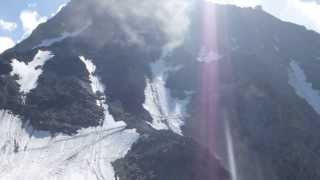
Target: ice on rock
[98, 87]
[63, 36]
[166, 112]
[304, 89]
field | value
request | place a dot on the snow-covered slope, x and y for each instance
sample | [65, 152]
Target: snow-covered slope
[87, 155]
[29, 154]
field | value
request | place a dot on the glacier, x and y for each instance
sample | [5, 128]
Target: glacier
[27, 153]
[87, 155]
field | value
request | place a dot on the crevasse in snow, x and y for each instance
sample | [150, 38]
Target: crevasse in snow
[87, 155]
[298, 80]
[167, 112]
[29, 73]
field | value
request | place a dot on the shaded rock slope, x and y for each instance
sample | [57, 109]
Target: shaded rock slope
[188, 90]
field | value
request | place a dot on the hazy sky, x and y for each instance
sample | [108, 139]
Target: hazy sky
[303, 12]
[19, 17]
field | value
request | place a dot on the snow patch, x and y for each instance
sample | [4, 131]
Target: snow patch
[96, 85]
[30, 72]
[298, 80]
[64, 35]
[167, 112]
[98, 88]
[87, 155]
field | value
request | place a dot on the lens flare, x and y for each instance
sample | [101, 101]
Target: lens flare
[214, 125]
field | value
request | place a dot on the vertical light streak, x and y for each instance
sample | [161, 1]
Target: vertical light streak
[230, 149]
[210, 110]
[208, 78]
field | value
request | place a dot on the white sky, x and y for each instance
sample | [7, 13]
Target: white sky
[296, 11]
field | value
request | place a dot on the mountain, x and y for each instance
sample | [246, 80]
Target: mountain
[161, 90]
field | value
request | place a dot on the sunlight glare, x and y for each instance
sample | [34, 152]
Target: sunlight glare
[240, 3]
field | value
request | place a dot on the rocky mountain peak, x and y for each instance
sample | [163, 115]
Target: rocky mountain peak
[153, 90]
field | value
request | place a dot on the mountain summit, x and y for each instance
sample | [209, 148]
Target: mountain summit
[161, 90]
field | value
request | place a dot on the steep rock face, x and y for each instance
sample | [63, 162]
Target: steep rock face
[63, 86]
[274, 127]
[165, 155]
[215, 92]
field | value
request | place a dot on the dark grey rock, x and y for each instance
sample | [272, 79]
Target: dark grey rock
[165, 155]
